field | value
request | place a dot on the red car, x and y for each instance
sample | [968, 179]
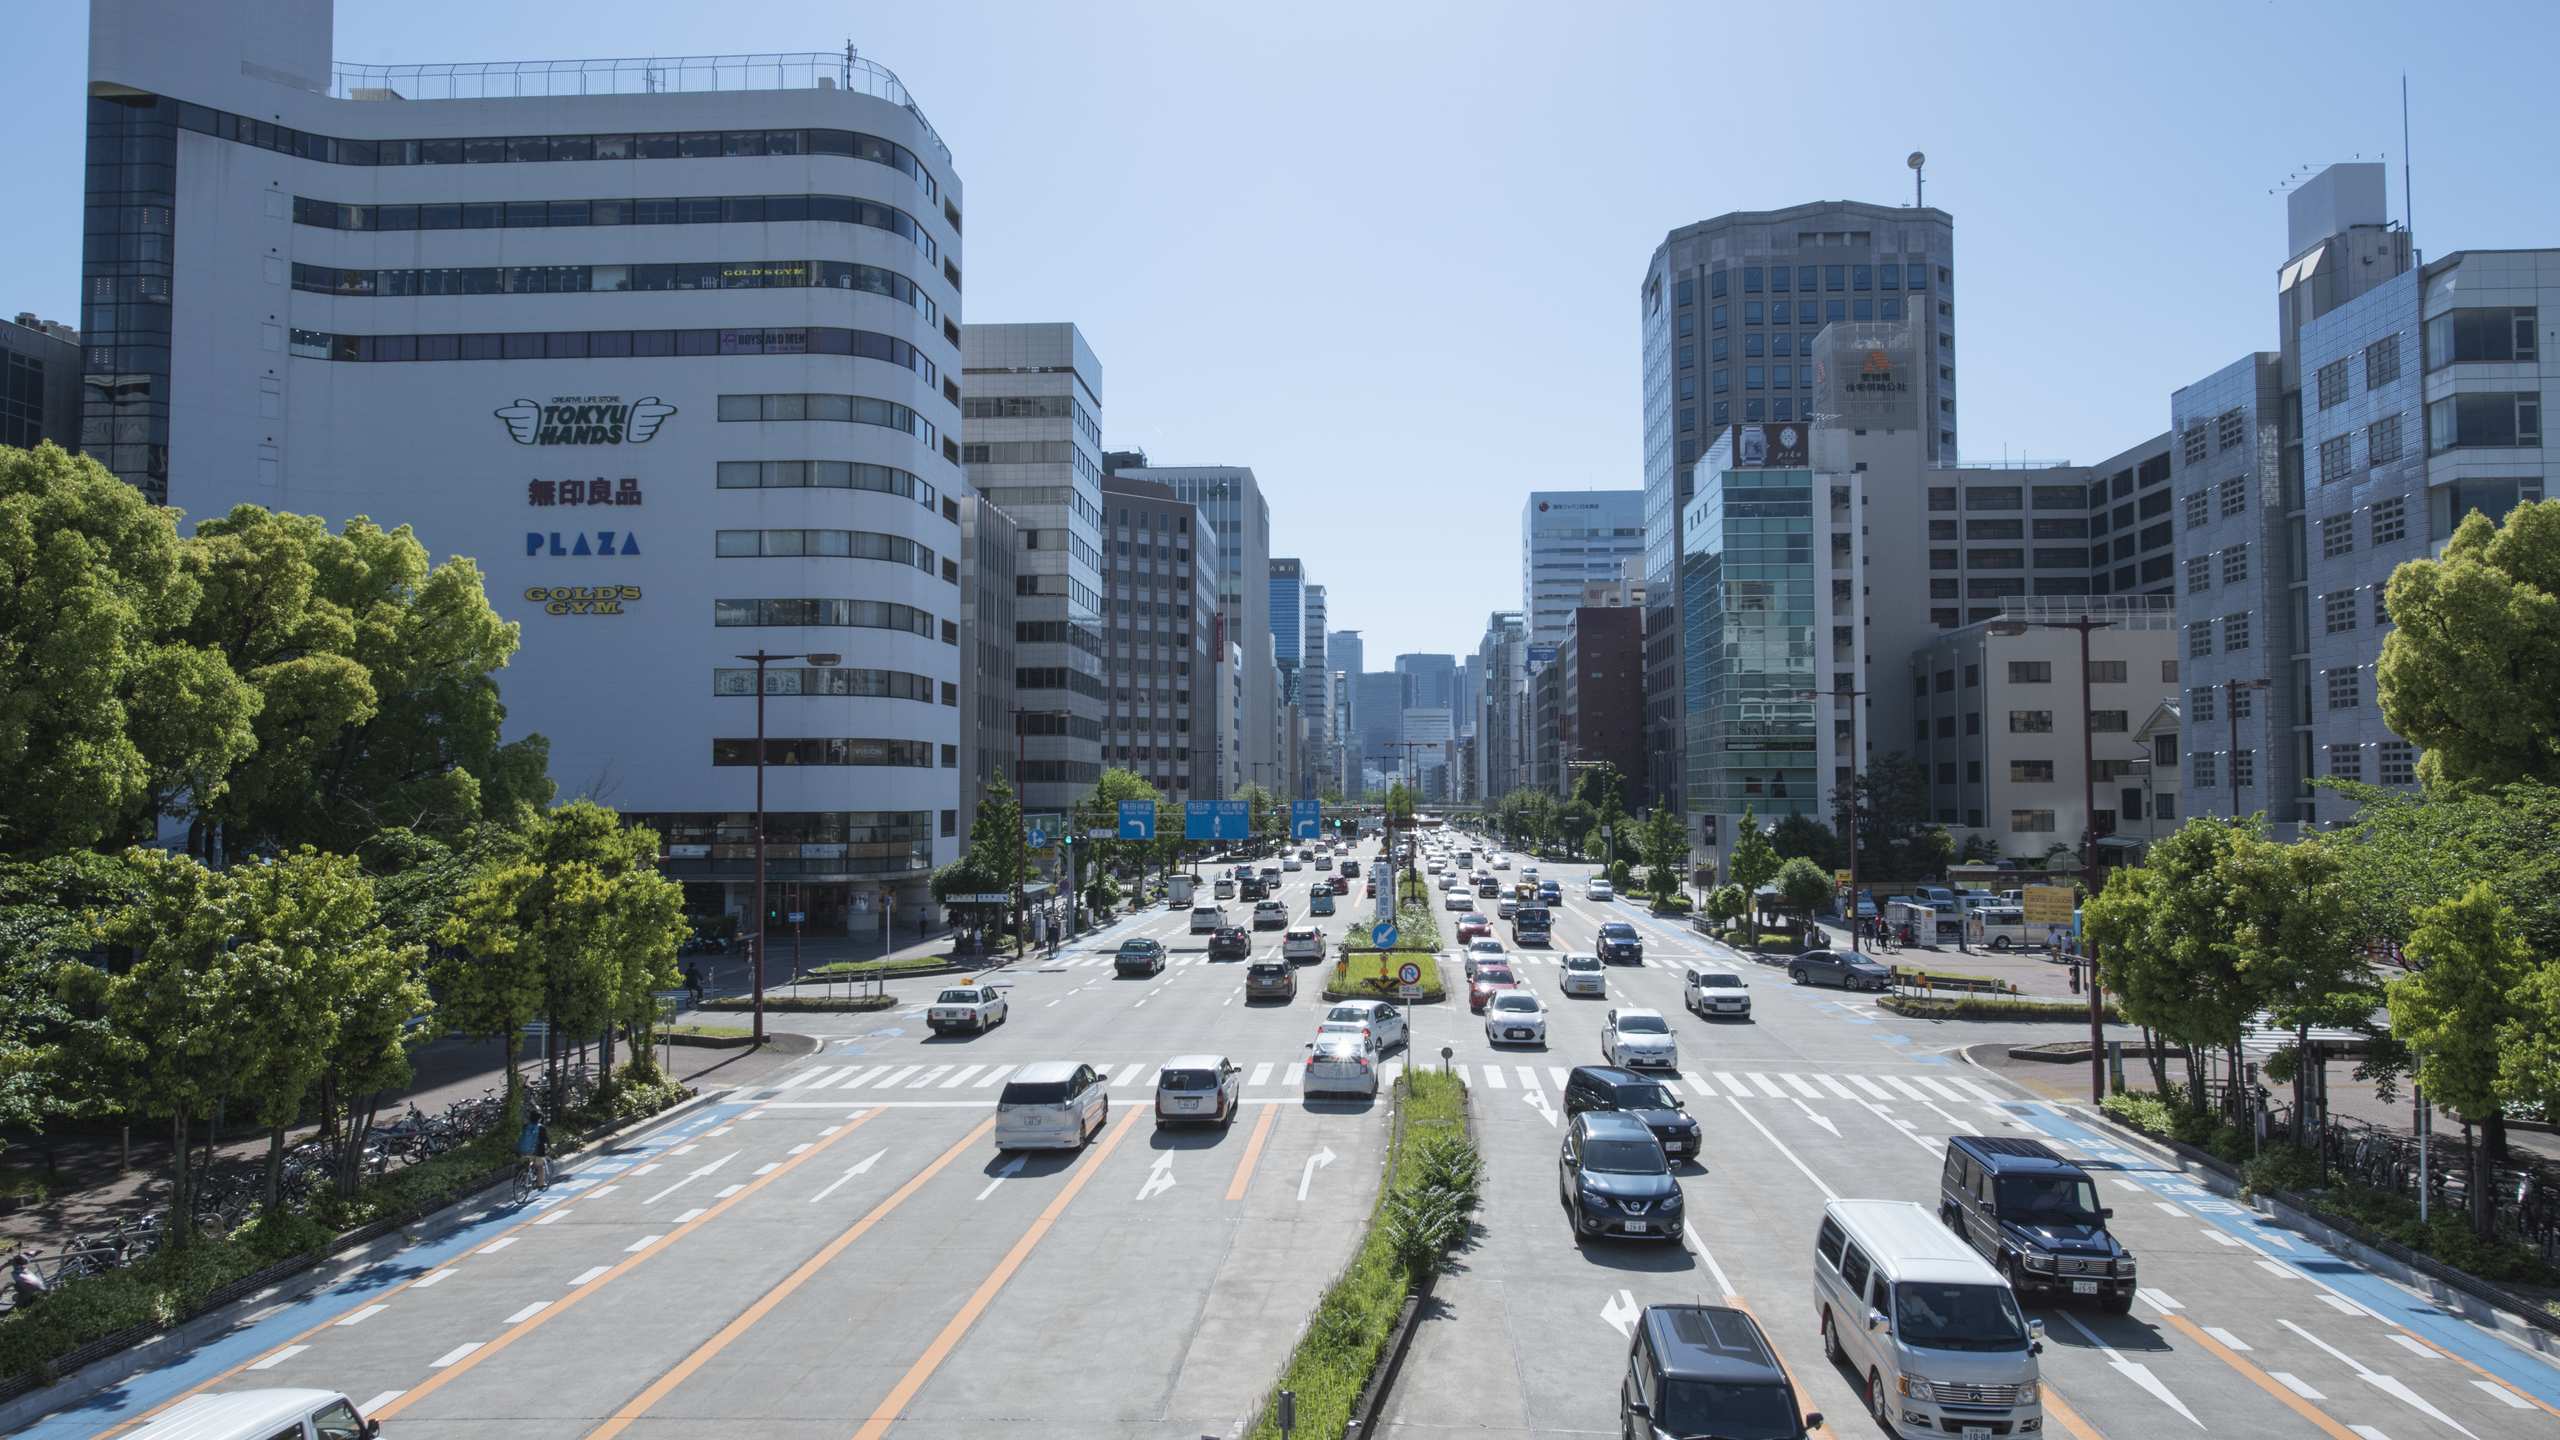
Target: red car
[1373, 888]
[1473, 925]
[1489, 979]
[1341, 884]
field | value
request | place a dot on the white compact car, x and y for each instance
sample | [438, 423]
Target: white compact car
[1483, 949]
[1515, 1017]
[1291, 862]
[1639, 1039]
[1584, 975]
[1711, 993]
[1460, 900]
[1599, 890]
[1384, 1023]
[1304, 943]
[1341, 1062]
[1201, 1089]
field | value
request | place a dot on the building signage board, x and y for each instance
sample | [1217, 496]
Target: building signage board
[1866, 376]
[582, 599]
[598, 491]
[2048, 904]
[1771, 447]
[584, 420]
[606, 542]
[1217, 820]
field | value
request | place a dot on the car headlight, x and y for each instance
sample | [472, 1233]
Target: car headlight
[1912, 1386]
[2032, 1391]
[2037, 1256]
[1671, 1201]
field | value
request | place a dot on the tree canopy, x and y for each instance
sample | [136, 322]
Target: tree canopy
[2466, 668]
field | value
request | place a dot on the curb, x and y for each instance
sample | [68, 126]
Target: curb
[2479, 1301]
[283, 1283]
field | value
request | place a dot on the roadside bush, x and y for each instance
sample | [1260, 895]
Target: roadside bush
[1672, 905]
[805, 1004]
[2280, 1167]
[2147, 1113]
[1988, 1007]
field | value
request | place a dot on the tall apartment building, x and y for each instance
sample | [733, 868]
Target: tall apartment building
[39, 383]
[1599, 669]
[1346, 652]
[696, 300]
[1466, 695]
[1569, 541]
[1727, 315]
[1159, 650]
[990, 548]
[1318, 769]
[1502, 663]
[1231, 504]
[1033, 444]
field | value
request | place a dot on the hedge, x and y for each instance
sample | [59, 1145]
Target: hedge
[805, 1004]
[1990, 1007]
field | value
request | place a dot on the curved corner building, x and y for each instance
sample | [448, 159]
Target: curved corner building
[671, 348]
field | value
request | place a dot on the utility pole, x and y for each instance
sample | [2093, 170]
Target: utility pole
[2231, 689]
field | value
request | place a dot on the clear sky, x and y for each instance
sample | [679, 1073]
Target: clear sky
[1387, 253]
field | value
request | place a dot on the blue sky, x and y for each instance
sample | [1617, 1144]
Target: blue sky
[1387, 254]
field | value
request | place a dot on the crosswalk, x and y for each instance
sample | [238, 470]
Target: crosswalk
[1882, 1088]
[1531, 959]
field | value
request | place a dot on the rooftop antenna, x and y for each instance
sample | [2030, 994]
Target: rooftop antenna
[1918, 180]
[2408, 201]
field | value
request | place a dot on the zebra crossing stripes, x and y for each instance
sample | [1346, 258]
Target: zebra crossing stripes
[992, 1076]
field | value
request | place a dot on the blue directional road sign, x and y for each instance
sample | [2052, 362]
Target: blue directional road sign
[1217, 820]
[1137, 819]
[1306, 819]
[1036, 837]
[1383, 935]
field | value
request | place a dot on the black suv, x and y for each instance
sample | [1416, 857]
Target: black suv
[1230, 942]
[1706, 1370]
[1619, 944]
[1251, 890]
[1614, 1180]
[2037, 1217]
[1609, 1087]
[1843, 968]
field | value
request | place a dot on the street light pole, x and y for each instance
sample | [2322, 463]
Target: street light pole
[1852, 696]
[2231, 711]
[760, 659]
[2089, 825]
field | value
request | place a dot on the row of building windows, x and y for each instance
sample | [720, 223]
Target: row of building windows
[2381, 367]
[849, 409]
[2230, 430]
[2398, 764]
[858, 614]
[1806, 312]
[1882, 275]
[648, 210]
[831, 475]
[835, 680]
[613, 345]
[911, 754]
[615, 279]
[830, 544]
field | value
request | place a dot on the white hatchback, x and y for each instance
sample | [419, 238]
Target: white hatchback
[1341, 1062]
[1639, 1039]
[1515, 1017]
[1382, 1022]
[1205, 1089]
[1584, 975]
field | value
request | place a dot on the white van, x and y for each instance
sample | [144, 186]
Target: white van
[1052, 1105]
[2002, 927]
[1931, 1332]
[260, 1415]
[1208, 919]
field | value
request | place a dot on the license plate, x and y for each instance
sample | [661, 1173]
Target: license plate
[1639, 1227]
[2084, 1287]
[1519, 1034]
[1983, 1431]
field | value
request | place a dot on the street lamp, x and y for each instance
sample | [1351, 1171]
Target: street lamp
[760, 659]
[2231, 711]
[1851, 695]
[2083, 624]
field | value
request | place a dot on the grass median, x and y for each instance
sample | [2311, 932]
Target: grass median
[1422, 1211]
[866, 969]
[1987, 1007]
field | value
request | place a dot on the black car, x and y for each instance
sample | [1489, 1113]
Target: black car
[1706, 1370]
[1614, 1179]
[1251, 890]
[1619, 944]
[2037, 1217]
[1843, 968]
[1139, 957]
[1610, 1087]
[1230, 942]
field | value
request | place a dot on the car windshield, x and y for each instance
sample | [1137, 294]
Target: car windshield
[1958, 1317]
[956, 997]
[1582, 962]
[1515, 1002]
[1348, 1015]
[1720, 981]
[1642, 1025]
[1034, 1092]
[1137, 947]
[1266, 969]
[1622, 1157]
[1494, 974]
[1486, 947]
[1336, 1047]
[2054, 1199]
[1645, 1096]
[1727, 1411]
[1618, 930]
[1187, 1080]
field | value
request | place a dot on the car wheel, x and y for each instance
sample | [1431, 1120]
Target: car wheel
[1830, 1340]
[2000, 942]
[1796, 974]
[1877, 1404]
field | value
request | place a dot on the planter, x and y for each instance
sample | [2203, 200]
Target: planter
[1427, 997]
[800, 1004]
[709, 1042]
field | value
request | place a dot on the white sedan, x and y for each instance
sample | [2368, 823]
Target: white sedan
[1461, 900]
[1515, 1017]
[1481, 950]
[1599, 890]
[1637, 1038]
[1382, 1022]
[1290, 863]
[1341, 1062]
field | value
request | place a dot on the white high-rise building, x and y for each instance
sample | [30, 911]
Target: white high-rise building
[1571, 540]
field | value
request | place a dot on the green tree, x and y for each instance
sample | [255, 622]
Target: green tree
[1802, 835]
[1896, 838]
[1755, 860]
[1803, 886]
[2300, 945]
[999, 847]
[106, 716]
[47, 910]
[2175, 961]
[1603, 788]
[2474, 639]
[1574, 823]
[1100, 810]
[2134, 961]
[1542, 818]
[1665, 839]
[2459, 1009]
[1727, 903]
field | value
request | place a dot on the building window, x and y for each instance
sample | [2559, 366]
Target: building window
[2492, 420]
[1752, 314]
[1720, 349]
[2390, 521]
[2337, 536]
[1995, 497]
[2108, 722]
[2382, 362]
[1942, 559]
[2339, 607]
[2235, 495]
[2169, 671]
[2201, 763]
[2399, 763]
[2346, 762]
[2031, 772]
[1717, 281]
[2030, 822]
[1942, 497]
[2333, 384]
[1942, 530]
[1946, 727]
[2382, 441]
[2244, 768]
[2240, 698]
[2030, 672]
[2492, 332]
[2230, 429]
[1996, 558]
[2191, 444]
[1946, 772]
[2346, 688]
[2200, 705]
[2235, 631]
[2107, 672]
[2030, 722]
[2199, 508]
[2199, 639]
[2199, 572]
[2235, 565]
[1943, 617]
[2337, 458]
[1716, 316]
[1750, 279]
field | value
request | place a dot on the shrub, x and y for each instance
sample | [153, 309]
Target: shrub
[2147, 1113]
[2280, 1167]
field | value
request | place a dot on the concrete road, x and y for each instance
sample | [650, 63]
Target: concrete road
[838, 1250]
[2242, 1328]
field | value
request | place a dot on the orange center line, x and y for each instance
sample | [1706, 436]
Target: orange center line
[2055, 1409]
[558, 1307]
[660, 1388]
[887, 1412]
[1744, 1306]
[1252, 1151]
[2260, 1378]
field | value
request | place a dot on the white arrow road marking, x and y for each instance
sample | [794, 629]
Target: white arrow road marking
[1818, 1118]
[1621, 1312]
[859, 1166]
[1315, 1162]
[1159, 1177]
[2133, 1370]
[1004, 1172]
[2378, 1381]
[689, 1179]
[1539, 1102]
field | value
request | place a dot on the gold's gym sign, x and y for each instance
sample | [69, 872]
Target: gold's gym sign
[582, 599]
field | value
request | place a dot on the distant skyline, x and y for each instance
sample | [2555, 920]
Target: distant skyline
[1388, 256]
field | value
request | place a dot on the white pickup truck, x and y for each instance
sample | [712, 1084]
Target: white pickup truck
[973, 1008]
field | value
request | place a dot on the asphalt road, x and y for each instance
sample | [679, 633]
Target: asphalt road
[837, 1250]
[2241, 1329]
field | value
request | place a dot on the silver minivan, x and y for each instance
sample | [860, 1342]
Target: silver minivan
[1931, 1332]
[1208, 919]
[1052, 1105]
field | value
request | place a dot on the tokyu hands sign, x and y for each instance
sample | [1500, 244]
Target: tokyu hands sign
[584, 420]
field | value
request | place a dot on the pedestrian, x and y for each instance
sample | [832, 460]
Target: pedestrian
[693, 983]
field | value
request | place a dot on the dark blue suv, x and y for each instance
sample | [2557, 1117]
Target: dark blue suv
[1619, 944]
[1615, 1180]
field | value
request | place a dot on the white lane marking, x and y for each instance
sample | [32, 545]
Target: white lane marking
[1159, 1176]
[1528, 1076]
[717, 1130]
[2133, 1370]
[454, 1355]
[494, 1246]
[2384, 1383]
[1556, 1074]
[963, 1073]
[859, 1166]
[928, 1077]
[1902, 1087]
[1673, 1085]
[686, 1148]
[1835, 1087]
[2165, 1208]
[2344, 1308]
[2122, 1183]
[641, 1170]
[551, 1216]
[1261, 1075]
[1493, 1078]
[528, 1312]
[695, 1175]
[899, 1075]
[2221, 1239]
[1738, 1108]
[1817, 1117]
[1732, 1085]
[1771, 1090]
[725, 1191]
[2294, 1383]
[1942, 1091]
[1539, 1102]
[1315, 1162]
[602, 1190]
[587, 1276]
[992, 1076]
[2229, 1341]
[278, 1358]
[2414, 1346]
[1985, 1094]
[2159, 1300]
[2511, 1399]
[643, 1243]
[1289, 1075]
[853, 1081]
[768, 1167]
[2367, 1432]
[2284, 1272]
[1871, 1087]
[1797, 1084]
[1129, 1076]
[683, 1216]
[1698, 1247]
[1004, 1172]
[822, 1077]
[378, 1401]
[436, 1277]
[803, 1145]
[1462, 1076]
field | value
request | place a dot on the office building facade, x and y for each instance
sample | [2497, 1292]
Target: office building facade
[678, 366]
[1318, 769]
[1230, 503]
[1502, 722]
[1159, 653]
[990, 547]
[1435, 680]
[39, 383]
[1571, 540]
[1599, 720]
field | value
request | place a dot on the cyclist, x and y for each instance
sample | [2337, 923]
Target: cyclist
[26, 1283]
[533, 1147]
[693, 983]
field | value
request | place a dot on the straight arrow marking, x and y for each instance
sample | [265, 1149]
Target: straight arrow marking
[1004, 1172]
[2132, 1370]
[859, 1166]
[1818, 1118]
